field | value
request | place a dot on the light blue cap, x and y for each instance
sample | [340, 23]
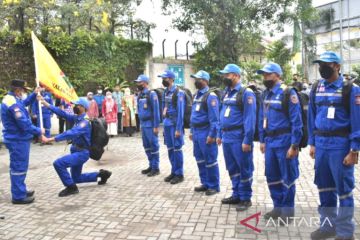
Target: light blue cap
[271, 68]
[231, 68]
[83, 102]
[167, 74]
[329, 57]
[142, 78]
[201, 74]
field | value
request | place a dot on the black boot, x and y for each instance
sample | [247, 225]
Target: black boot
[168, 178]
[210, 192]
[177, 179]
[243, 206]
[30, 193]
[104, 175]
[318, 234]
[274, 214]
[230, 200]
[146, 171]
[26, 200]
[153, 173]
[201, 188]
[69, 190]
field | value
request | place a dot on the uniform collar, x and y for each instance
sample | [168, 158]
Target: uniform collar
[172, 88]
[145, 90]
[204, 90]
[237, 87]
[13, 94]
[336, 84]
[82, 116]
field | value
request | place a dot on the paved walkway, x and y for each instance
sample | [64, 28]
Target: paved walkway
[133, 206]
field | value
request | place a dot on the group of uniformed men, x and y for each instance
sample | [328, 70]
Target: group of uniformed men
[334, 139]
[333, 136]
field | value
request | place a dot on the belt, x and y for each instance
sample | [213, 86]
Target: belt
[200, 125]
[278, 132]
[228, 129]
[344, 132]
[146, 119]
[81, 148]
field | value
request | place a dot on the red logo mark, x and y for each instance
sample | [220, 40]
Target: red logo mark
[257, 216]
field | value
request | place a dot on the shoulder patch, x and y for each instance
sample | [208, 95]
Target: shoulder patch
[9, 100]
[357, 99]
[83, 124]
[250, 100]
[294, 99]
[213, 102]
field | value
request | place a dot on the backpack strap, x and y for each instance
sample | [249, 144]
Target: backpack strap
[239, 98]
[174, 98]
[286, 98]
[346, 92]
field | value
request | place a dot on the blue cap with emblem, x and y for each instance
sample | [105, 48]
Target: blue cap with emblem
[142, 78]
[201, 74]
[83, 102]
[271, 68]
[329, 57]
[231, 68]
[167, 74]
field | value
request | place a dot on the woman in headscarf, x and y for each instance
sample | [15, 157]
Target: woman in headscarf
[129, 121]
[109, 111]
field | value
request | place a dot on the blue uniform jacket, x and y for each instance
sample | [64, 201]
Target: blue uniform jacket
[45, 111]
[318, 116]
[149, 115]
[80, 134]
[271, 110]
[174, 115]
[236, 117]
[16, 120]
[200, 116]
[99, 98]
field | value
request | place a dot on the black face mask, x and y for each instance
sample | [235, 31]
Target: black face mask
[227, 82]
[269, 84]
[165, 83]
[76, 110]
[140, 87]
[198, 85]
[326, 71]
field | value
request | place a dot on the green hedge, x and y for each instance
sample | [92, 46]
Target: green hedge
[87, 59]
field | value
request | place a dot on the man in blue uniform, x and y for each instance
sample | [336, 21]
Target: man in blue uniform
[80, 135]
[46, 113]
[237, 128]
[149, 115]
[334, 139]
[280, 133]
[173, 115]
[99, 98]
[204, 124]
[17, 133]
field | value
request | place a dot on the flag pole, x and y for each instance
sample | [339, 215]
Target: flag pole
[37, 83]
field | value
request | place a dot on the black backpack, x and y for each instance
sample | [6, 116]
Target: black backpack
[188, 104]
[99, 138]
[239, 102]
[218, 92]
[345, 93]
[303, 104]
[159, 92]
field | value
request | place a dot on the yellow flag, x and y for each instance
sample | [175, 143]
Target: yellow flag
[49, 74]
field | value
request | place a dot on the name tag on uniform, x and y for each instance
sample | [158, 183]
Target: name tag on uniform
[145, 105]
[331, 113]
[227, 112]
[164, 112]
[197, 108]
[265, 123]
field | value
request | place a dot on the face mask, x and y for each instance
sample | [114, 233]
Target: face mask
[198, 85]
[140, 87]
[99, 91]
[90, 98]
[76, 110]
[227, 82]
[165, 83]
[326, 71]
[269, 84]
[108, 96]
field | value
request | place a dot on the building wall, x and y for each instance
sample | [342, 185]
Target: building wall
[155, 66]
